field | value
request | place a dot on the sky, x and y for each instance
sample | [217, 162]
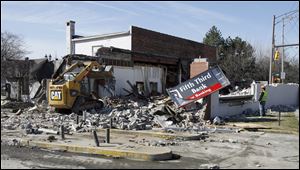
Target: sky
[41, 24]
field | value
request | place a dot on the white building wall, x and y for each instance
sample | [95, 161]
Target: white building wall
[230, 109]
[90, 47]
[283, 94]
[134, 74]
[214, 104]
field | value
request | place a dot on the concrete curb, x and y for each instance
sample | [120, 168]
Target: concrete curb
[278, 131]
[154, 134]
[162, 154]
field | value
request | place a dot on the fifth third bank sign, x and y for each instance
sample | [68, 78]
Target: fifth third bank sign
[198, 87]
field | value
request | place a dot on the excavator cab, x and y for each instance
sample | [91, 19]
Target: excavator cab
[75, 89]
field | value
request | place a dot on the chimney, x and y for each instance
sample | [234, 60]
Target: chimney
[70, 32]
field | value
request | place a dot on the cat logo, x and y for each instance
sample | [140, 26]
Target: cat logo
[55, 95]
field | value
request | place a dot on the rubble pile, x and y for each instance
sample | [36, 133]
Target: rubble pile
[128, 113]
[144, 115]
[239, 92]
[158, 143]
[8, 104]
[31, 122]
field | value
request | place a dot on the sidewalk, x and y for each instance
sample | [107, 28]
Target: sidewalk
[124, 144]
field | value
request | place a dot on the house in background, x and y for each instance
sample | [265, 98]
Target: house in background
[19, 76]
[153, 61]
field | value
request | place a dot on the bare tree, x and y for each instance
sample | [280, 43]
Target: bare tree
[12, 46]
[291, 66]
[262, 63]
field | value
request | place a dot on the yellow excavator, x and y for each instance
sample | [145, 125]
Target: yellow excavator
[76, 89]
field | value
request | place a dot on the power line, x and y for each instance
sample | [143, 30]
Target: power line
[282, 18]
[292, 28]
[288, 13]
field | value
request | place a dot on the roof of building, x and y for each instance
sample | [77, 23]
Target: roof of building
[102, 36]
[123, 33]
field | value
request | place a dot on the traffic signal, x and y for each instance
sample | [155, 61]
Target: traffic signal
[276, 57]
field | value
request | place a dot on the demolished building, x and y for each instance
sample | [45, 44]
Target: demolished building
[21, 79]
[143, 61]
[152, 60]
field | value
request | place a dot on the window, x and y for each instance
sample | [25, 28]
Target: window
[153, 88]
[140, 87]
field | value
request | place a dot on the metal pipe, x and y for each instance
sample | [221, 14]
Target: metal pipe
[96, 138]
[62, 132]
[279, 115]
[77, 119]
[111, 122]
[107, 139]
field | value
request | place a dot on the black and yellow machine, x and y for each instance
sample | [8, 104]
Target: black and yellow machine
[77, 88]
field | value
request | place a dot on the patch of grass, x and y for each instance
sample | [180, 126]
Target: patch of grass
[288, 123]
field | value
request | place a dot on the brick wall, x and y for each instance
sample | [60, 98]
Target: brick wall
[197, 68]
[162, 44]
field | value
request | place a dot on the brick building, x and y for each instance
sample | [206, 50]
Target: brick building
[153, 59]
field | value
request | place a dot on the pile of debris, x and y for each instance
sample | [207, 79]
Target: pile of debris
[129, 113]
[10, 104]
[132, 113]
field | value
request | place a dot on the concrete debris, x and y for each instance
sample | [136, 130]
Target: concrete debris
[158, 143]
[127, 113]
[19, 111]
[51, 138]
[217, 121]
[239, 92]
[210, 166]
[13, 142]
[48, 131]
[34, 89]
[15, 104]
[233, 141]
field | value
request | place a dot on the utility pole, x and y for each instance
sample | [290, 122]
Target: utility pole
[282, 56]
[273, 46]
[283, 16]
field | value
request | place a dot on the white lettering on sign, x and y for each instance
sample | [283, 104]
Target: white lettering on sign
[203, 86]
[186, 86]
[202, 78]
[55, 95]
[198, 81]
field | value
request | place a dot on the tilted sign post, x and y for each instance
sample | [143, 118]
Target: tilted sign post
[198, 87]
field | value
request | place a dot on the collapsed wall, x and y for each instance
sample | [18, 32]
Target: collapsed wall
[239, 102]
[283, 97]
